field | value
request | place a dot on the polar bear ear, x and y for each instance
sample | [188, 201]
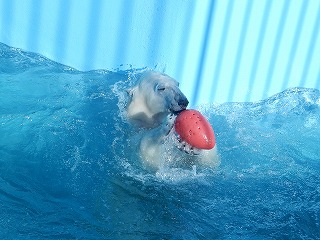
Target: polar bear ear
[130, 91]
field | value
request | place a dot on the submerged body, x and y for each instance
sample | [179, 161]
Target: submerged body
[162, 148]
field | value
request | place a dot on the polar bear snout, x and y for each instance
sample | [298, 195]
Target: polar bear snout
[183, 103]
[180, 103]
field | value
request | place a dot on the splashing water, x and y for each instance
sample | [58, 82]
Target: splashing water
[69, 166]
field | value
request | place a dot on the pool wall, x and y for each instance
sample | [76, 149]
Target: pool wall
[223, 50]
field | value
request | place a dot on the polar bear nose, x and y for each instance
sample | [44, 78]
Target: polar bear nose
[179, 103]
[183, 103]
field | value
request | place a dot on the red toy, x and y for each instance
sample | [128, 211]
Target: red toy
[195, 129]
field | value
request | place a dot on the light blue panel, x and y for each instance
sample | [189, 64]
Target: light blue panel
[228, 57]
[291, 38]
[251, 36]
[306, 38]
[48, 31]
[196, 47]
[312, 69]
[314, 41]
[236, 76]
[205, 74]
[219, 50]
[267, 48]
[218, 88]
[271, 70]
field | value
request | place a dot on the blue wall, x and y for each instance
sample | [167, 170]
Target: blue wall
[223, 50]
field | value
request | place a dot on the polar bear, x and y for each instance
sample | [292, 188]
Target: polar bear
[154, 104]
[161, 148]
[153, 98]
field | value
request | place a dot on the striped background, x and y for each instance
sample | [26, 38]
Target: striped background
[223, 50]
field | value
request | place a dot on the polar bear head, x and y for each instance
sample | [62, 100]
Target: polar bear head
[153, 98]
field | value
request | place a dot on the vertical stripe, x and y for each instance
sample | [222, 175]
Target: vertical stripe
[184, 39]
[92, 34]
[275, 49]
[124, 31]
[222, 45]
[318, 80]
[257, 54]
[7, 13]
[203, 53]
[62, 30]
[294, 45]
[240, 49]
[157, 31]
[34, 23]
[314, 38]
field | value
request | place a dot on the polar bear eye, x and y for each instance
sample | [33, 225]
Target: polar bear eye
[160, 88]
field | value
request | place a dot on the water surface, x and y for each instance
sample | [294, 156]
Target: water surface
[69, 167]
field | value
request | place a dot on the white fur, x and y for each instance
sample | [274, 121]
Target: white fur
[153, 98]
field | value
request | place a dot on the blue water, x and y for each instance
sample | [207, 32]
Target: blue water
[69, 167]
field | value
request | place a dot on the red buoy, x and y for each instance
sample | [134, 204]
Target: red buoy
[195, 129]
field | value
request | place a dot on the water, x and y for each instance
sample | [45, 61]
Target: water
[69, 167]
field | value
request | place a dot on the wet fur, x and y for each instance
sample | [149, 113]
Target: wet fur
[153, 98]
[154, 103]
